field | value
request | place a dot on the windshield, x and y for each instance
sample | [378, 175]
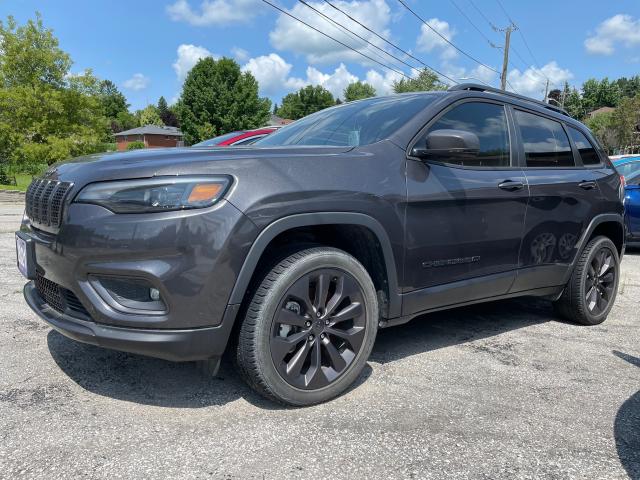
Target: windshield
[629, 170]
[352, 124]
[217, 140]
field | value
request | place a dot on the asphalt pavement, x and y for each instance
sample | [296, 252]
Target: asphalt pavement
[499, 390]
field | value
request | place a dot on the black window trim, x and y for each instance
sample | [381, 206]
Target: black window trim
[513, 149]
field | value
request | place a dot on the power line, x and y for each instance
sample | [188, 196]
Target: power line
[326, 17]
[493, 45]
[336, 40]
[389, 42]
[446, 39]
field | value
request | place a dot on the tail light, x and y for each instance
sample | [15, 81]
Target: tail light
[623, 183]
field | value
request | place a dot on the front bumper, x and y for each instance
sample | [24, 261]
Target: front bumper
[175, 345]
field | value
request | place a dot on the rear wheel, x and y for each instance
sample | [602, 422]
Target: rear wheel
[591, 291]
[309, 327]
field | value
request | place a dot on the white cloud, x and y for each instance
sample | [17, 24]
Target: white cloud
[273, 74]
[430, 41]
[291, 35]
[619, 29]
[214, 12]
[137, 82]
[532, 81]
[382, 83]
[188, 56]
[240, 54]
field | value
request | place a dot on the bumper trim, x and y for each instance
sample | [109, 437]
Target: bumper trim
[175, 345]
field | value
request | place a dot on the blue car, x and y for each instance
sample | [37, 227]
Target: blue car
[629, 168]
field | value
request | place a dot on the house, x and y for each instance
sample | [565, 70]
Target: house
[152, 136]
[276, 121]
[599, 111]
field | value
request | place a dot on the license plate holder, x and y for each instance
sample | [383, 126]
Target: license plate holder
[26, 255]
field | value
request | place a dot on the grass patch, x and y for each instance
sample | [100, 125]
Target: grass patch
[23, 180]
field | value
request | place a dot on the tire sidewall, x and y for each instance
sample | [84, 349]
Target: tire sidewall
[314, 259]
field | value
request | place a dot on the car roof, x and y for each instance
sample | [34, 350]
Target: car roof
[625, 160]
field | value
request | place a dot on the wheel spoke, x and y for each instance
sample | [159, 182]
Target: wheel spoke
[337, 362]
[337, 296]
[295, 364]
[351, 311]
[353, 336]
[289, 317]
[591, 297]
[300, 290]
[607, 260]
[608, 278]
[280, 346]
[315, 377]
[321, 291]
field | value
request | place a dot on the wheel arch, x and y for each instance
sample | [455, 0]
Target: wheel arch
[316, 219]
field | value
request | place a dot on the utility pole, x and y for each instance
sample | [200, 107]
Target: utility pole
[546, 92]
[505, 61]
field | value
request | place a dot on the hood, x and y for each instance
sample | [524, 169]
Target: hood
[176, 161]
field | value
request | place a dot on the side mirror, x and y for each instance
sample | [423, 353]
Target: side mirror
[446, 143]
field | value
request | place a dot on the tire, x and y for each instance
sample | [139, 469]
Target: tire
[308, 327]
[583, 299]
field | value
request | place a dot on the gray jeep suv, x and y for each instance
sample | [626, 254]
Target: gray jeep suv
[292, 253]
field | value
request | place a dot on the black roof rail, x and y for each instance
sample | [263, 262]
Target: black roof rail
[476, 87]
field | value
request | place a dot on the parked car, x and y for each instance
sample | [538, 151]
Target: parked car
[629, 168]
[358, 217]
[242, 137]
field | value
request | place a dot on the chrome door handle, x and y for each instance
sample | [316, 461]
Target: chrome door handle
[511, 186]
[587, 184]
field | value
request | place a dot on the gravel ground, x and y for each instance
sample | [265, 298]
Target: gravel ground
[501, 390]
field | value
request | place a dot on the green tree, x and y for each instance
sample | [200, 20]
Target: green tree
[425, 81]
[573, 102]
[46, 114]
[600, 93]
[167, 115]
[629, 87]
[114, 105]
[305, 101]
[149, 115]
[603, 128]
[626, 121]
[217, 97]
[357, 91]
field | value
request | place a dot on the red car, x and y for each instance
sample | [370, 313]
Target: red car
[243, 137]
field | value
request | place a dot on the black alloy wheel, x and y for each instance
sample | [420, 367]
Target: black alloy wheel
[319, 328]
[600, 280]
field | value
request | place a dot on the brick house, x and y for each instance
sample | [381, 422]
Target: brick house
[152, 136]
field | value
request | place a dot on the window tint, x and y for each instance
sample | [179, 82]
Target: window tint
[486, 120]
[545, 142]
[587, 152]
[351, 124]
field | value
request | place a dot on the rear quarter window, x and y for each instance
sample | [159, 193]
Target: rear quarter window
[588, 153]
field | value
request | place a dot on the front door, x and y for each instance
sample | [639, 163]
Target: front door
[464, 217]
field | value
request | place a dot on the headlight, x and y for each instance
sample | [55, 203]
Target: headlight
[159, 194]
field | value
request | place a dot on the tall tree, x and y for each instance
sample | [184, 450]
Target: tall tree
[46, 114]
[167, 115]
[425, 81]
[114, 104]
[600, 93]
[358, 91]
[626, 121]
[217, 97]
[149, 115]
[305, 101]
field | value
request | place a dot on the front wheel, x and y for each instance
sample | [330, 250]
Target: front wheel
[591, 291]
[309, 327]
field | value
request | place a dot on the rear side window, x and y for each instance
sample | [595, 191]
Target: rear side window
[587, 151]
[545, 142]
[486, 120]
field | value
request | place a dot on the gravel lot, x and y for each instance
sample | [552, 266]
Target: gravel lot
[501, 390]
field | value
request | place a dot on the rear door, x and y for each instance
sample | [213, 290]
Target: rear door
[564, 196]
[464, 217]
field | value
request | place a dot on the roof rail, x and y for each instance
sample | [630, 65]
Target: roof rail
[484, 88]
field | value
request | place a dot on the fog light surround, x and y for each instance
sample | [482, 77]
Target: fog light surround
[129, 294]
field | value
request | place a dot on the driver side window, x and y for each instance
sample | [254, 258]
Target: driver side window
[488, 122]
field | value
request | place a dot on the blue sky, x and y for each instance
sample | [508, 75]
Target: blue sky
[147, 46]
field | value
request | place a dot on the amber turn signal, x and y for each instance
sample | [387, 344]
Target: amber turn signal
[203, 192]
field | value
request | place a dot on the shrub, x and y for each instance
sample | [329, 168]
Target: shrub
[136, 145]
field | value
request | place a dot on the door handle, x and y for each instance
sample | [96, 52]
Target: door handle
[511, 186]
[587, 184]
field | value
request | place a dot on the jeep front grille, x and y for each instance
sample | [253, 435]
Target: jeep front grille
[44, 200]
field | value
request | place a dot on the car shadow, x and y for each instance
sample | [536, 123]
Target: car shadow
[627, 427]
[151, 381]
